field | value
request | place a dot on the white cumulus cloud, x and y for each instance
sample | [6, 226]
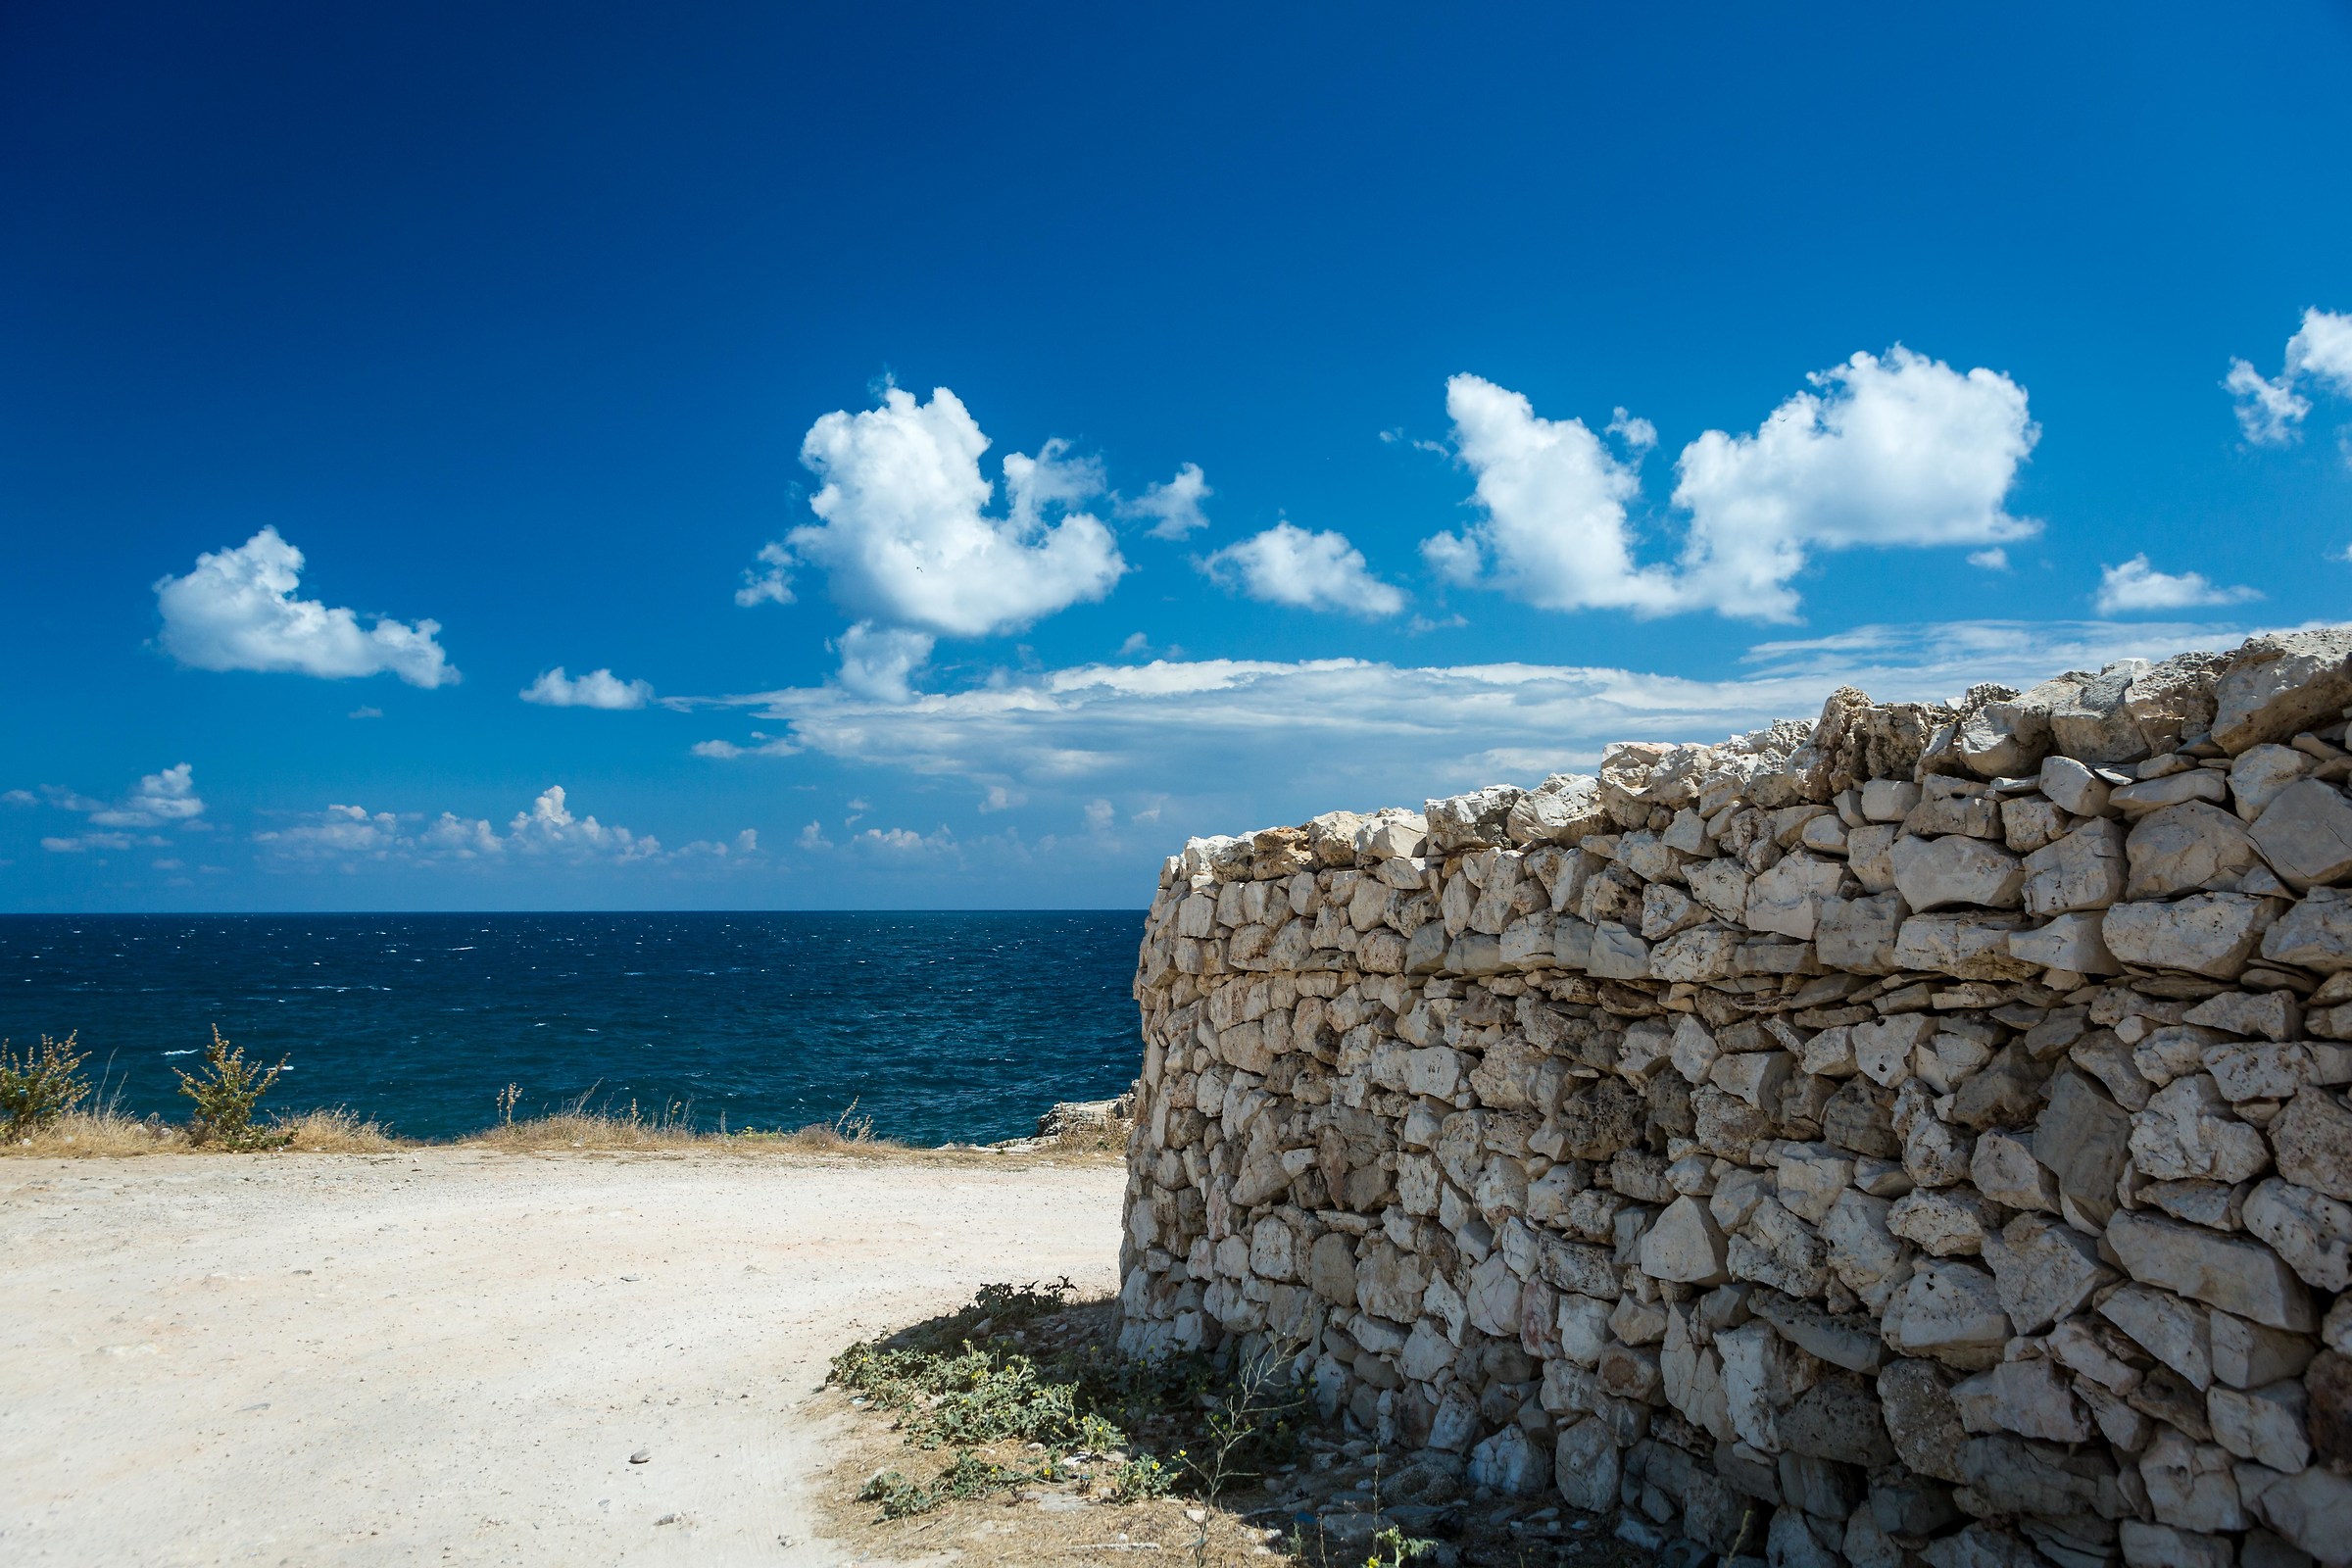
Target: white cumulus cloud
[168, 799]
[598, 688]
[1900, 451]
[908, 542]
[2269, 411]
[1173, 507]
[547, 830]
[2137, 586]
[236, 609]
[1289, 565]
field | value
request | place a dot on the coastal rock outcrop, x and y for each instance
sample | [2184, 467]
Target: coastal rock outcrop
[1918, 1136]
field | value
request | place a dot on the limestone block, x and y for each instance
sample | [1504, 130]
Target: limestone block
[2003, 1168]
[2083, 870]
[2186, 1131]
[2311, 1140]
[1954, 871]
[2207, 933]
[1763, 1375]
[1862, 1250]
[2192, 846]
[2170, 789]
[1786, 899]
[1922, 1420]
[2316, 933]
[2073, 786]
[1970, 947]
[2095, 725]
[2030, 1397]
[1883, 1050]
[2028, 822]
[1870, 855]
[1948, 805]
[1586, 1466]
[1950, 1311]
[2257, 1070]
[2247, 1355]
[1754, 1076]
[2044, 1271]
[2305, 833]
[1858, 935]
[1811, 1177]
[1703, 953]
[1476, 820]
[1943, 1224]
[2258, 773]
[2153, 1545]
[1684, 1244]
[1776, 1248]
[1721, 885]
[1561, 810]
[2191, 1486]
[2311, 1231]
[1790, 1543]
[2276, 685]
[2270, 1015]
[1617, 954]
[1509, 1463]
[2267, 1425]
[2235, 1274]
[2313, 1510]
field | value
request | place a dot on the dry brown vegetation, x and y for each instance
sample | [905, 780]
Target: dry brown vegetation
[111, 1133]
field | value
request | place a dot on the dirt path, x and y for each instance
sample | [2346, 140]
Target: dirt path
[449, 1356]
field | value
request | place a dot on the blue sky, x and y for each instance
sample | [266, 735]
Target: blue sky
[1394, 402]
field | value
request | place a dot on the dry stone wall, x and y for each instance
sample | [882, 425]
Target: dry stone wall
[1917, 1136]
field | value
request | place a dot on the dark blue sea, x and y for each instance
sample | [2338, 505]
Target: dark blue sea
[941, 1026]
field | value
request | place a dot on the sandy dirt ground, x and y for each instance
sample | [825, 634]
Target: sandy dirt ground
[451, 1357]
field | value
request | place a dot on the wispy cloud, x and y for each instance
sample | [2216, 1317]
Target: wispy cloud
[1255, 741]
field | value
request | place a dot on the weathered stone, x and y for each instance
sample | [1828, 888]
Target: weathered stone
[2075, 942]
[2169, 789]
[1862, 1251]
[1684, 1244]
[2173, 1331]
[2187, 846]
[2044, 1271]
[1787, 898]
[2152, 1545]
[1476, 820]
[2207, 933]
[1584, 1466]
[2029, 1397]
[2312, 1231]
[2188, 1131]
[2311, 1140]
[2305, 833]
[1971, 947]
[1944, 1224]
[2191, 1486]
[2004, 1170]
[1561, 810]
[1951, 871]
[1952, 1312]
[2266, 1425]
[2316, 933]
[2083, 870]
[2247, 1355]
[1858, 935]
[2276, 685]
[2237, 1276]
[2314, 1511]
[1509, 1463]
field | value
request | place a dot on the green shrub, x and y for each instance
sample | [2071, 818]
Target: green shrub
[225, 1098]
[41, 1086]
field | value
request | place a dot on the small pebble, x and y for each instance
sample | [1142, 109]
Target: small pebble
[641, 1456]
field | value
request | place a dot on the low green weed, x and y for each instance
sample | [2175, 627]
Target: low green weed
[40, 1087]
[225, 1096]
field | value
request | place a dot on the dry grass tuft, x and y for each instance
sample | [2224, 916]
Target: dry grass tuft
[109, 1133]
